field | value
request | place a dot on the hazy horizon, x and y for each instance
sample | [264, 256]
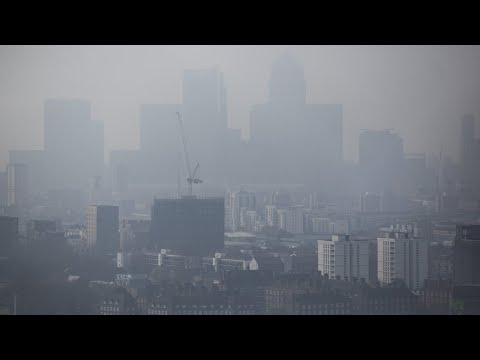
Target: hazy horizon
[420, 91]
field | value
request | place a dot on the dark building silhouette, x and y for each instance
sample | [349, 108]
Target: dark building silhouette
[8, 234]
[466, 255]
[102, 233]
[188, 225]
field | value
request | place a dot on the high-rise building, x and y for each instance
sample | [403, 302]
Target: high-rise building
[160, 143]
[205, 119]
[469, 155]
[466, 255]
[294, 220]
[8, 234]
[17, 183]
[102, 232]
[120, 179]
[235, 203]
[380, 160]
[3, 188]
[344, 259]
[402, 257]
[278, 127]
[188, 225]
[73, 143]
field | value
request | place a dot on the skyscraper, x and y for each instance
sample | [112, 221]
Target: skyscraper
[205, 120]
[188, 225]
[380, 159]
[102, 231]
[17, 183]
[287, 133]
[73, 143]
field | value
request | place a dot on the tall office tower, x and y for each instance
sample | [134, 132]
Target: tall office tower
[3, 188]
[102, 231]
[205, 120]
[120, 179]
[188, 225]
[236, 202]
[73, 143]
[402, 257]
[160, 143]
[301, 143]
[466, 255]
[8, 234]
[380, 160]
[17, 183]
[469, 157]
[344, 259]
[416, 176]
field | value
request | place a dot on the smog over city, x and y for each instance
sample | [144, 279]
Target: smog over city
[239, 180]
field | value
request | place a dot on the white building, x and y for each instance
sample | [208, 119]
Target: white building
[282, 219]
[271, 215]
[340, 227]
[235, 202]
[344, 259]
[402, 257]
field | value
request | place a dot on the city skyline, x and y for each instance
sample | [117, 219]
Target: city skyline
[442, 75]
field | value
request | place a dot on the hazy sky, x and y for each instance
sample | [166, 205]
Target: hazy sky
[421, 91]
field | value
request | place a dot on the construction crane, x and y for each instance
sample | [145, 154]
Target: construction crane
[191, 174]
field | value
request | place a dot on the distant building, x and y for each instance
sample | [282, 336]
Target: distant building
[264, 262]
[117, 302]
[102, 231]
[402, 257]
[3, 188]
[344, 259]
[380, 160]
[285, 121]
[385, 301]
[294, 220]
[466, 255]
[436, 297]
[17, 184]
[8, 235]
[42, 230]
[237, 203]
[74, 143]
[271, 215]
[188, 225]
[371, 202]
